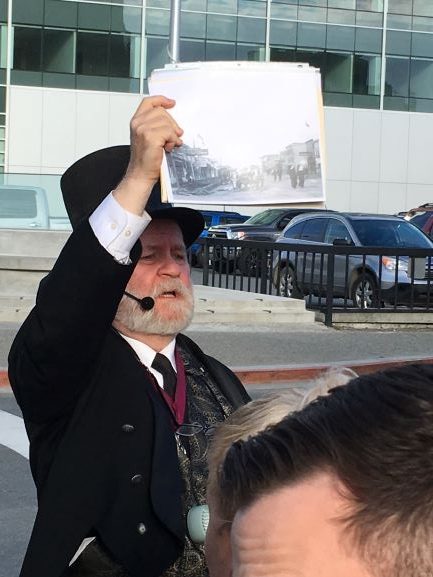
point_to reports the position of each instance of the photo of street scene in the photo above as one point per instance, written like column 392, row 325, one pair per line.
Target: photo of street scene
column 250, row 138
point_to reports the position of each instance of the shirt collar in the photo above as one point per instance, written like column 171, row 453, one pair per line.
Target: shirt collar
column 146, row 354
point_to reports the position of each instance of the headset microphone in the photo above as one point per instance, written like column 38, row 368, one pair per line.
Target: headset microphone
column 146, row 303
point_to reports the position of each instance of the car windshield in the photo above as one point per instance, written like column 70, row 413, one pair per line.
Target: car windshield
column 420, row 219
column 390, row 233
column 266, row 217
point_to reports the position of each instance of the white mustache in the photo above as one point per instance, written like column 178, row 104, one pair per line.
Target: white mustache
column 170, row 285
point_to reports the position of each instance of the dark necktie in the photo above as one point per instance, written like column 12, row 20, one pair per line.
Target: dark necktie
column 163, row 366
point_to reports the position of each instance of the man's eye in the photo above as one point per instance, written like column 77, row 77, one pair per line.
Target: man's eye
column 181, row 256
column 147, row 257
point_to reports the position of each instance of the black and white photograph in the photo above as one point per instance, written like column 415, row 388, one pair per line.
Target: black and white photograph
column 253, row 133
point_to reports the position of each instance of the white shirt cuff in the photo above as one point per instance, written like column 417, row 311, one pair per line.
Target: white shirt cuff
column 116, row 229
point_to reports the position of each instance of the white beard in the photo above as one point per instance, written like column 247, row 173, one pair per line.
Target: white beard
column 175, row 314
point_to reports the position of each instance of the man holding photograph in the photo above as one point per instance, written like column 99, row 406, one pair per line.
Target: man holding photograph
column 117, row 404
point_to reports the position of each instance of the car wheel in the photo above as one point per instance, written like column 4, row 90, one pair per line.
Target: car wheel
column 287, row 283
column 250, row 262
column 364, row 292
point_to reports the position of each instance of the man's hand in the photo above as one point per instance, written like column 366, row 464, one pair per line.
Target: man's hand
column 153, row 130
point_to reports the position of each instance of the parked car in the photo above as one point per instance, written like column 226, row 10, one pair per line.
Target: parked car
column 356, row 277
column 23, row 207
column 422, row 217
column 213, row 218
column 266, row 225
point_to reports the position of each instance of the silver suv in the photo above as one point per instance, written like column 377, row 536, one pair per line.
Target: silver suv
column 356, row 277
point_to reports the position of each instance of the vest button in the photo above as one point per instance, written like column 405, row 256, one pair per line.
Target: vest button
column 141, row 528
column 126, row 428
column 136, row 479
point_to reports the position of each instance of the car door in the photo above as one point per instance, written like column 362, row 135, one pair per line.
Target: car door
column 310, row 271
column 342, row 263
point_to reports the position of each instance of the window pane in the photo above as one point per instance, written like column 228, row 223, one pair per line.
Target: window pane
column 157, row 22
column 124, row 56
column 400, row 6
column 93, row 17
column 398, row 43
column 312, row 57
column 420, row 105
column 2, row 98
column 283, row 11
column 368, row 40
column 92, row 82
column 3, row 10
column 422, row 8
column 313, row 35
column 397, row 77
column 366, row 74
column 26, row 78
column 221, row 27
column 340, row 37
column 252, row 8
column 283, row 32
column 421, row 78
column 127, row 19
column 191, row 50
column 391, row 103
column 25, row 12
column 92, row 54
column 2, row 132
column 365, row 101
column 349, row 4
column 372, row 5
column 57, row 80
column 251, row 30
column 60, row 13
column 369, row 19
column 282, row 55
column 222, row 6
column 309, row 14
column 422, row 45
column 250, row 52
column 399, row 22
column 338, row 72
column 123, row 85
column 27, row 48
column 220, row 51
column 341, row 16
column 156, row 54
column 3, row 45
column 194, row 5
column 193, row 25
column 58, row 51
column 422, row 24
column 336, row 99
column 2, row 119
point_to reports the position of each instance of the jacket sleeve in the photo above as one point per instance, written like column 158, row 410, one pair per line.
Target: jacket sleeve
column 57, row 348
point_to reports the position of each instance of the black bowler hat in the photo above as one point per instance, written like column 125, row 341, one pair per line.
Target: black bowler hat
column 89, row 180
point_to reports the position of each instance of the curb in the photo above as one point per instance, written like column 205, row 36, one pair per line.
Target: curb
column 263, row 376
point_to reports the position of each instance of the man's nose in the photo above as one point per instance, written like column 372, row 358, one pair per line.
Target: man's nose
column 170, row 266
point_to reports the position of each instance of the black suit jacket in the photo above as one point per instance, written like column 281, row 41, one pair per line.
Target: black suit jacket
column 102, row 449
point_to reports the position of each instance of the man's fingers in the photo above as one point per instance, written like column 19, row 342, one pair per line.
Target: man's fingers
column 154, row 102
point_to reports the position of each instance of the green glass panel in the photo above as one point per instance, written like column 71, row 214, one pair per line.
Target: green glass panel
column 251, row 30
column 371, row 5
column 399, row 21
column 123, row 85
column 156, row 54
column 368, row 40
column 312, row 2
column 422, row 24
column 2, row 146
column 311, row 35
column 311, row 14
column 340, row 37
column 395, row 103
column 28, row 11
column 284, row 12
column 252, row 8
column 92, row 82
column 400, row 6
column 220, row 51
column 347, row 4
column 221, row 27
column 283, row 33
column 397, row 77
column 337, row 72
column 422, row 45
column 421, row 78
column 92, row 54
column 374, row 19
column 2, row 132
column 193, row 25
column 192, row 50
column 250, row 52
column 58, row 49
column 422, row 8
column 26, row 78
column 2, row 76
column 194, row 5
column 2, row 119
column 398, row 43
column 55, row 80
column 60, row 13
column 366, row 101
column 366, row 74
column 126, row 19
column 420, row 105
column 27, row 48
column 124, row 56
column 335, row 99
column 341, row 16
column 282, row 54
column 159, row 3
column 3, row 10
column 2, row 98
column 93, row 17
column 157, row 22
column 222, row 6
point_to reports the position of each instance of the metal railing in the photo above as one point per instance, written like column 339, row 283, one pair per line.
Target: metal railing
column 331, row 278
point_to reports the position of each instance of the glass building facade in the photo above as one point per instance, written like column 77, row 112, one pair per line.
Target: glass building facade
column 374, row 54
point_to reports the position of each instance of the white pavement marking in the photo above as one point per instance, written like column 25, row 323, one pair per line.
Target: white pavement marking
column 13, row 433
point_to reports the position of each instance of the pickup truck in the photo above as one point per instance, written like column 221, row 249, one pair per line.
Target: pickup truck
column 213, row 218
column 266, row 225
